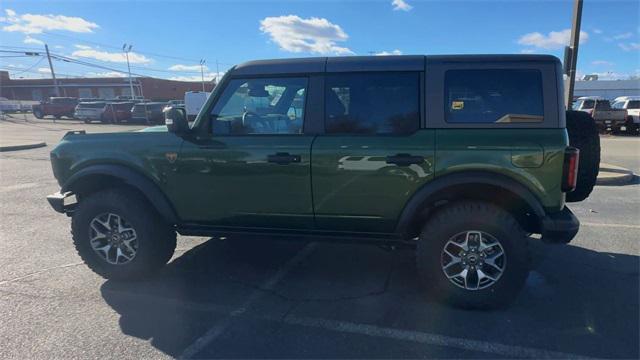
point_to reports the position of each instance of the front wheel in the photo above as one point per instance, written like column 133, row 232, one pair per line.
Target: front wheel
column 38, row 114
column 473, row 255
column 120, row 236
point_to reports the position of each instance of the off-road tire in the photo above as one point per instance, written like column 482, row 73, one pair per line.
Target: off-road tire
column 156, row 239
column 583, row 134
column 38, row 114
column 473, row 216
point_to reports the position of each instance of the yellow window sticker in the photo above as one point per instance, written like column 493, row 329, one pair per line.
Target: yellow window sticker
column 457, row 105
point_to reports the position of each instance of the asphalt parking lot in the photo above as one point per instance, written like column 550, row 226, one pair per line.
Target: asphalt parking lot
column 251, row 298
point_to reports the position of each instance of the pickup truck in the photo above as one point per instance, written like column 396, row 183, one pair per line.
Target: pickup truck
column 630, row 104
column 606, row 117
column 57, row 107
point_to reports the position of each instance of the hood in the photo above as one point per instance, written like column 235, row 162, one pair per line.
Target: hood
column 159, row 128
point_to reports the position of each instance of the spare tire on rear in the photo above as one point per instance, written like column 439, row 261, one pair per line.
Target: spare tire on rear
column 583, row 134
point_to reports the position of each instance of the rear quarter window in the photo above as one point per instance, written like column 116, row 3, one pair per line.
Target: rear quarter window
column 498, row 96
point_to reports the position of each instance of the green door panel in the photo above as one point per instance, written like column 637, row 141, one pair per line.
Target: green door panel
column 355, row 189
column 227, row 181
column 532, row 157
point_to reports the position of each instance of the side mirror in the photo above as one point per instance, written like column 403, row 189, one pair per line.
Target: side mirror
column 176, row 120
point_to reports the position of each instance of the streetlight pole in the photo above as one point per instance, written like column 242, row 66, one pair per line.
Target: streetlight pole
column 126, row 50
column 571, row 61
column 53, row 74
column 202, row 61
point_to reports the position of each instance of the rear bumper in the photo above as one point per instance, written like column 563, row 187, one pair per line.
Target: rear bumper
column 560, row 227
column 57, row 202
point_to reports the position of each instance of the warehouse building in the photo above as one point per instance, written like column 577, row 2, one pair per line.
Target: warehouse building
column 607, row 89
column 104, row 88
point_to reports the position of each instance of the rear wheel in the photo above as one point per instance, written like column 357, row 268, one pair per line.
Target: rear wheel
column 120, row 236
column 473, row 255
column 583, row 134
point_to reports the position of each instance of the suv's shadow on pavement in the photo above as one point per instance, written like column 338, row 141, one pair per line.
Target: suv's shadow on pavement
column 576, row 301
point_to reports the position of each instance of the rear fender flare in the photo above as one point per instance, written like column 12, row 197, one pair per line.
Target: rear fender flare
column 437, row 190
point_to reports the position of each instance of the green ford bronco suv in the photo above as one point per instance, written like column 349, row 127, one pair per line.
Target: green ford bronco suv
column 460, row 157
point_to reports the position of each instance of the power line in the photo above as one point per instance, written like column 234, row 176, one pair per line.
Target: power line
column 118, row 47
column 30, row 67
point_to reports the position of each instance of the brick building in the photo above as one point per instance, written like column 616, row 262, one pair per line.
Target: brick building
column 104, row 88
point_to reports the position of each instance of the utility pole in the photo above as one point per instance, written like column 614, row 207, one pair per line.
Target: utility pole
column 571, row 53
column 53, row 74
column 217, row 72
column 126, row 50
column 202, row 61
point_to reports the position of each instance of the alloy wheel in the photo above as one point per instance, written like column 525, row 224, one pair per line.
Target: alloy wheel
column 473, row 260
column 113, row 238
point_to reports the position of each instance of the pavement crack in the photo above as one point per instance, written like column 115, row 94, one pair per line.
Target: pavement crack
column 2, row 282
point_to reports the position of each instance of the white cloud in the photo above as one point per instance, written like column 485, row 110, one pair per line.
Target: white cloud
column 622, row 36
column 117, row 57
column 314, row 35
column 527, row 51
column 180, row 67
column 601, row 62
column 597, row 31
column 630, row 46
column 109, row 74
column 401, row 5
column 58, row 47
column 554, row 40
column 32, row 40
column 44, row 70
column 611, row 75
column 36, row 24
column 386, row 53
column 207, row 77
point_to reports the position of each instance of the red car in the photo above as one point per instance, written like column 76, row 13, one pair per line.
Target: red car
column 56, row 106
column 116, row 112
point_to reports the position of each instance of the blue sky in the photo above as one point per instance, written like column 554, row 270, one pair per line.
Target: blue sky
column 170, row 37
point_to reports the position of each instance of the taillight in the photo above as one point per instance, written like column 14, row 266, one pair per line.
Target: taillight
column 570, row 169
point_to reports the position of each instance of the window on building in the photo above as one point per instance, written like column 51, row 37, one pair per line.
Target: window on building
column 106, row 93
column 85, row 93
column 260, row 106
column 372, row 103
column 493, row 96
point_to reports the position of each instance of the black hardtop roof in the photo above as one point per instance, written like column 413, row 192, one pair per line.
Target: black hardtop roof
column 372, row 63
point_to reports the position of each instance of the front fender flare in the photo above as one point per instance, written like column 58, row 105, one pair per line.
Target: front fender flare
column 132, row 178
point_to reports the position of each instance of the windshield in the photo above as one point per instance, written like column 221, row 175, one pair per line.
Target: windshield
column 92, row 105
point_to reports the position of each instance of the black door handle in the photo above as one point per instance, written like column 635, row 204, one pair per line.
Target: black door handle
column 283, row 158
column 404, row 159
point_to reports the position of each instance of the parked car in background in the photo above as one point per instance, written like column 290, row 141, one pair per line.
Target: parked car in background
column 631, row 104
column 90, row 111
column 193, row 102
column 56, row 106
column 118, row 111
column 8, row 106
column 148, row 112
column 607, row 118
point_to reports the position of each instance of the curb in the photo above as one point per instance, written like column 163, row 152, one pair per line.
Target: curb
column 614, row 175
column 22, row 146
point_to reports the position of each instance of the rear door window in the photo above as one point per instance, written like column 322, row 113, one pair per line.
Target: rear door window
column 493, row 96
column 372, row 103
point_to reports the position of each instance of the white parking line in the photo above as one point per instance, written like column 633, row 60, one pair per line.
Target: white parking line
column 269, row 284
column 509, row 351
column 610, row 225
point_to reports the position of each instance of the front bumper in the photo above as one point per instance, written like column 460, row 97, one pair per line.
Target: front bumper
column 58, row 203
column 560, row 227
